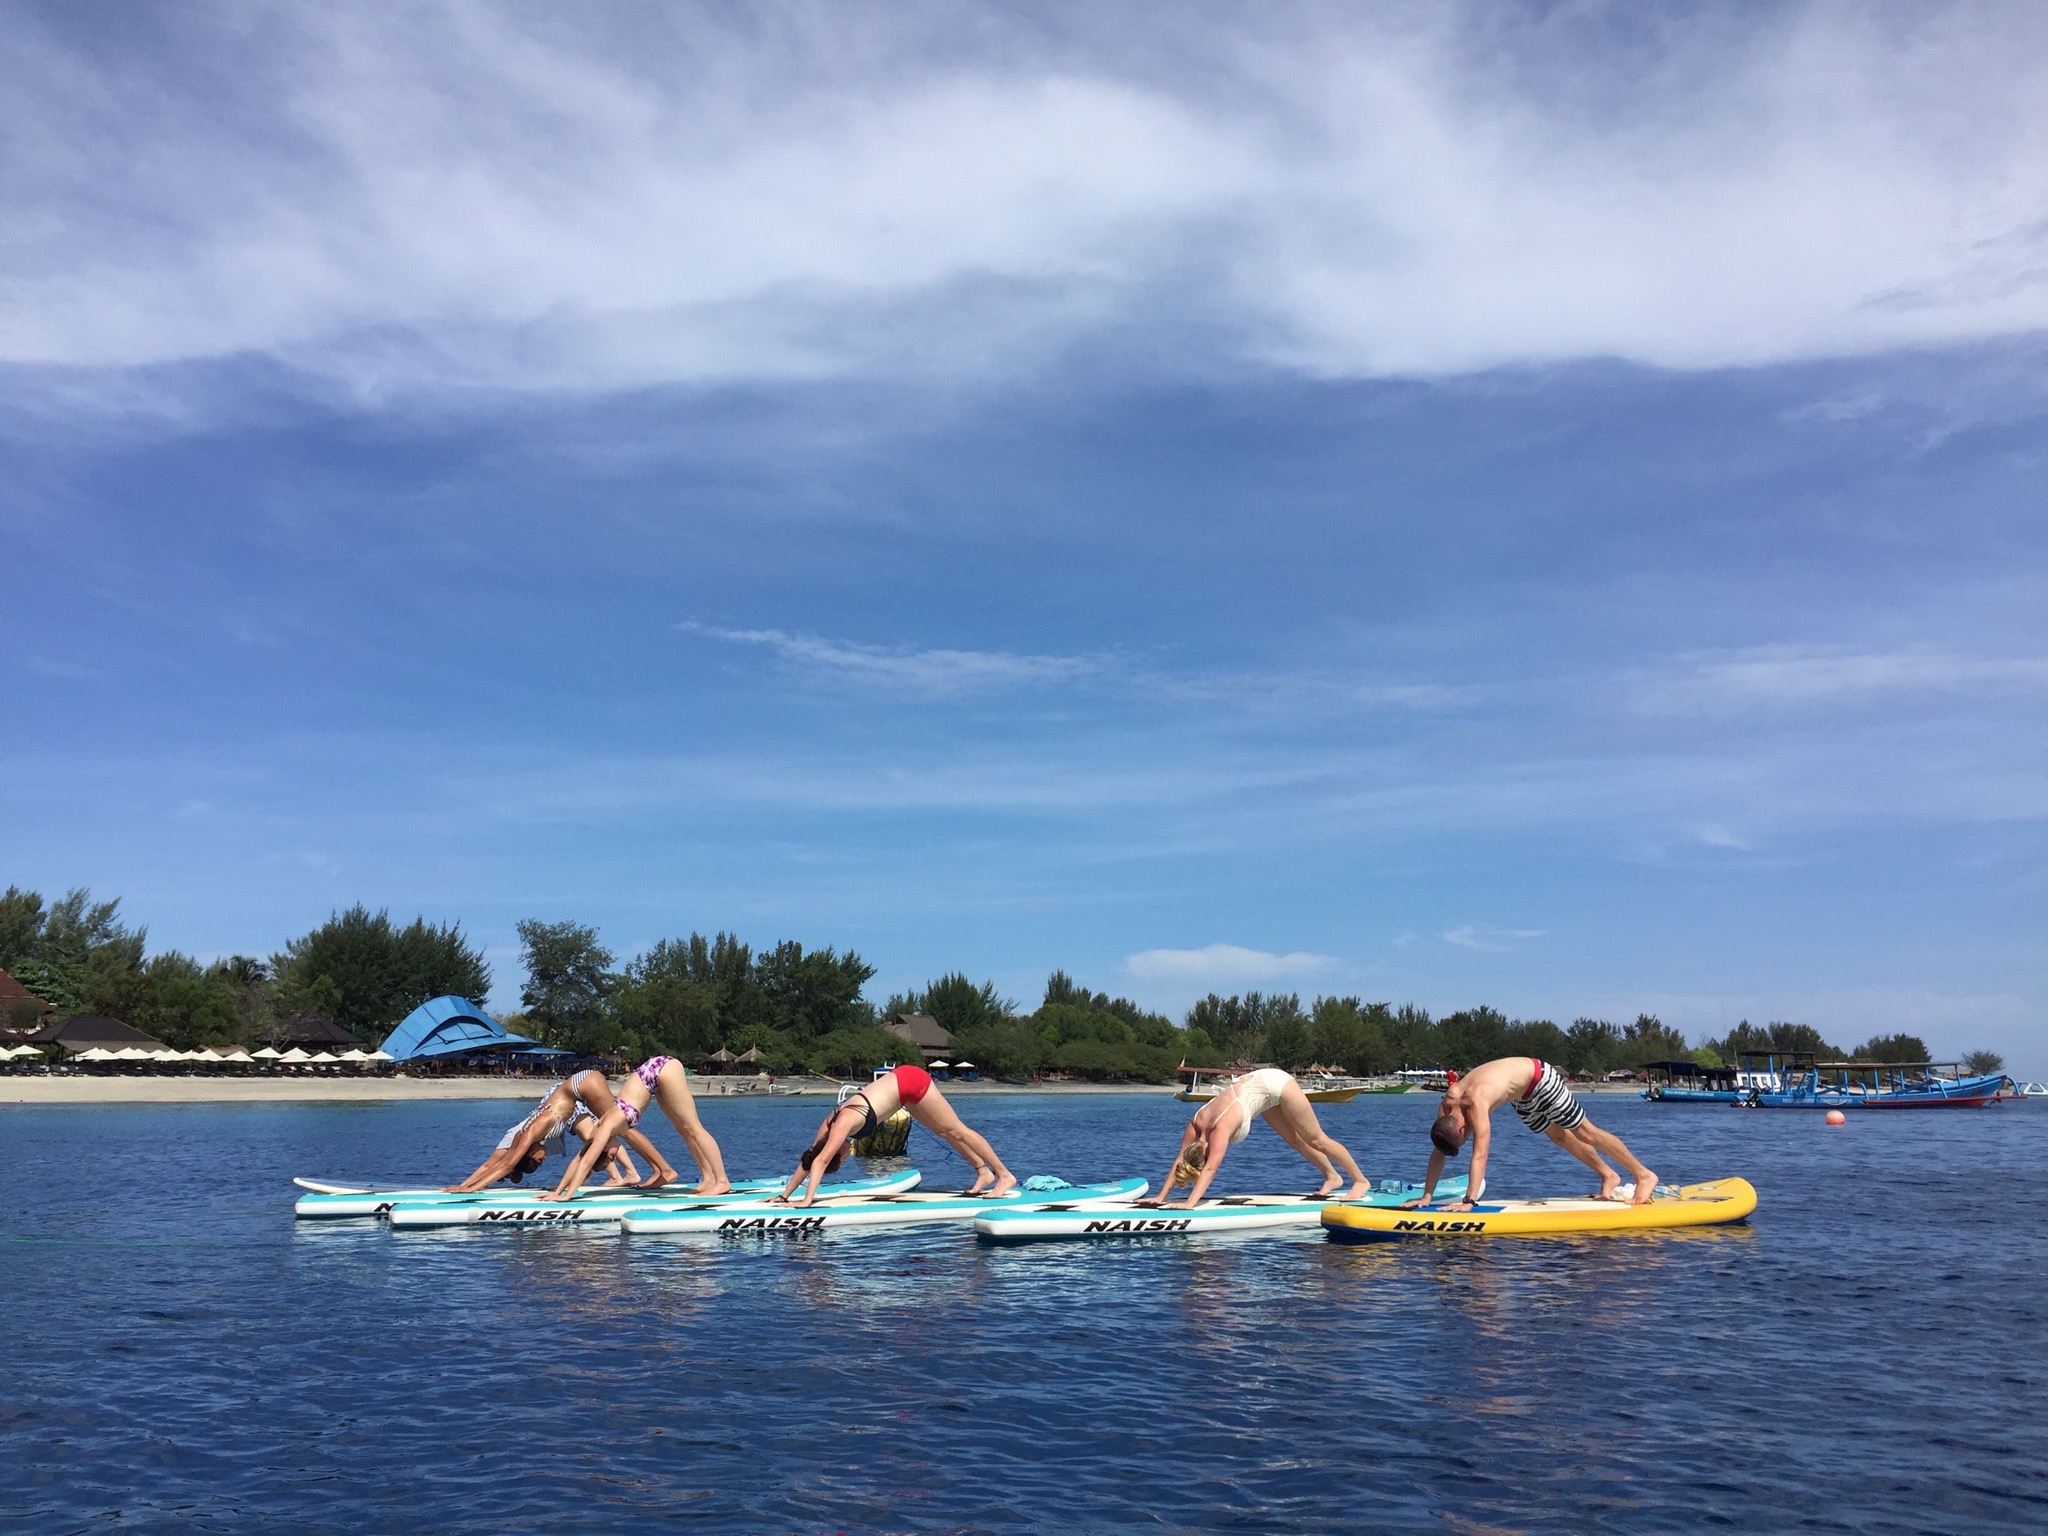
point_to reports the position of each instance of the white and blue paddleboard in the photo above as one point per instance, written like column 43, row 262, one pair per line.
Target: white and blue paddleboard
column 598, row 1207
column 325, row 1200
column 763, row 1219
column 1226, row 1213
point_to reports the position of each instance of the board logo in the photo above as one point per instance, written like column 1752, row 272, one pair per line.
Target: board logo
column 1439, row 1226
column 529, row 1215
column 1140, row 1224
column 769, row 1226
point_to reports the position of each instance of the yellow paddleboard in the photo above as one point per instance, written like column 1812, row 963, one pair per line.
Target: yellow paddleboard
column 1696, row 1205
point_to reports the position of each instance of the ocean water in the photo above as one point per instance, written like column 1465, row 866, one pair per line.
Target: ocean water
column 177, row 1353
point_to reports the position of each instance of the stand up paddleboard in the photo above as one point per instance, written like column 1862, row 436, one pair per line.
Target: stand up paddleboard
column 324, row 1200
column 600, row 1208
column 1226, row 1213
column 1696, row 1205
column 764, row 1220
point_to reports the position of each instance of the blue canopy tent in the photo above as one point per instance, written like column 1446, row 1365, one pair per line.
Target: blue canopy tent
column 454, row 1026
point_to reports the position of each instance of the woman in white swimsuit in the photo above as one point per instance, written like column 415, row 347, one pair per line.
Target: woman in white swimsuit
column 1227, row 1119
column 657, row 1078
column 573, row 1107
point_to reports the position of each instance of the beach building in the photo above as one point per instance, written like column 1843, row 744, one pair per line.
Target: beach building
column 311, row 1031
column 922, row 1031
column 20, row 1009
column 80, row 1034
column 453, row 1031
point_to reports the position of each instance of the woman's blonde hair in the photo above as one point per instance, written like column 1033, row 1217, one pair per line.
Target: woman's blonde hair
column 1191, row 1163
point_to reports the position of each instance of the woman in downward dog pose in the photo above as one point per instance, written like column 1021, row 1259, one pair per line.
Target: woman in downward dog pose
column 1227, row 1119
column 572, row 1107
column 907, row 1088
column 663, row 1078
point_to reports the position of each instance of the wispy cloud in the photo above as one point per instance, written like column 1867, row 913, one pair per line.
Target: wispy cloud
column 1780, row 677
column 913, row 670
column 1492, row 940
column 398, row 198
column 1217, row 966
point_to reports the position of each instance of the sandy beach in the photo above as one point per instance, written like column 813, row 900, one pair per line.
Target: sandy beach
column 285, row 1090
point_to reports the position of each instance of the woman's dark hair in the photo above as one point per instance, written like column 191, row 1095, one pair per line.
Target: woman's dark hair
column 811, row 1156
column 1448, row 1135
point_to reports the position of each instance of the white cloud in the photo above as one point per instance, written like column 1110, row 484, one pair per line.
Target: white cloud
column 398, row 198
column 1217, row 967
column 1782, row 677
column 907, row 669
column 1491, row 940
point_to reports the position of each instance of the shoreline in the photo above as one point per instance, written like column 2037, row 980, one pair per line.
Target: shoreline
column 375, row 1090
column 372, row 1090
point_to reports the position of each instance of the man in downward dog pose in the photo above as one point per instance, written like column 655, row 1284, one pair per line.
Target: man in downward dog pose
column 1538, row 1094
column 572, row 1107
column 663, row 1078
column 1227, row 1119
column 907, row 1088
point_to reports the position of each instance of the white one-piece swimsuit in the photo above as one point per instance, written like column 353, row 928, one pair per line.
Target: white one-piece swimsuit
column 1255, row 1093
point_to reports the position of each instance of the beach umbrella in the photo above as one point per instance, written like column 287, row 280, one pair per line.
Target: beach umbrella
column 239, row 1056
column 326, row 1056
column 938, row 1064
column 295, row 1055
column 962, row 1066
column 133, row 1053
column 354, row 1053
column 96, row 1054
column 379, row 1056
column 268, row 1053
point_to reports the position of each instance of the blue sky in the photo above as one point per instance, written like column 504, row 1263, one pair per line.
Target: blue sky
column 1540, row 507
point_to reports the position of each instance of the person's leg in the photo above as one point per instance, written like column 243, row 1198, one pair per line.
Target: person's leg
column 1584, row 1152
column 1295, row 1119
column 672, row 1087
column 1611, row 1144
column 937, row 1116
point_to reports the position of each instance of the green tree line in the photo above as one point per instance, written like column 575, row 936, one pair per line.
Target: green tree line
column 797, row 1007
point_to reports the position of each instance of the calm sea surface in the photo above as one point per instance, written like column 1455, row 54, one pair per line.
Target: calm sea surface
column 177, row 1353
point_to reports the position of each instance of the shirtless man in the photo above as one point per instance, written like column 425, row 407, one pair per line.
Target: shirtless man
column 1538, row 1094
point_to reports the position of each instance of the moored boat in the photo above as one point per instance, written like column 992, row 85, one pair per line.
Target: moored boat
column 1687, row 1082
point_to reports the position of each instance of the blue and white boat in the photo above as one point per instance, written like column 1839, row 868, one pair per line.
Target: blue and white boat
column 1687, row 1082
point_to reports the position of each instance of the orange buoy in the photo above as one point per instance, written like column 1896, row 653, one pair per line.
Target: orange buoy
column 1836, row 1117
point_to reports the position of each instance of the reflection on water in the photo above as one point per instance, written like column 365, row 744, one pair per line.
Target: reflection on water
column 198, row 1358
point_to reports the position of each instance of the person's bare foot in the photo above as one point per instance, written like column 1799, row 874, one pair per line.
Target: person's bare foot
column 1646, row 1188
column 658, row 1178
column 1357, row 1191
column 1610, row 1184
column 1005, row 1184
column 982, row 1180
column 1331, row 1183
column 713, row 1187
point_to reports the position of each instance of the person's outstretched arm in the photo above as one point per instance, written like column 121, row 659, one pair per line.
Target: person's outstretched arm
column 495, row 1167
column 1166, row 1185
column 1218, row 1145
column 580, row 1165
column 1436, row 1171
column 1475, row 1183
column 833, row 1142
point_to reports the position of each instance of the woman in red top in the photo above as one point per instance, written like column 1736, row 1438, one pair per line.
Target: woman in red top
column 908, row 1088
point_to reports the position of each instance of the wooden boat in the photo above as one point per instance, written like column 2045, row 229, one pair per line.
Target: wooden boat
column 1687, row 1082
column 1794, row 1080
column 1320, row 1088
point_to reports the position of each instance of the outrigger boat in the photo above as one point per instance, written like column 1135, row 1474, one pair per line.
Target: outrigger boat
column 1226, row 1213
column 1687, row 1082
column 599, row 1206
column 1319, row 1088
column 1794, row 1080
column 762, row 1219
